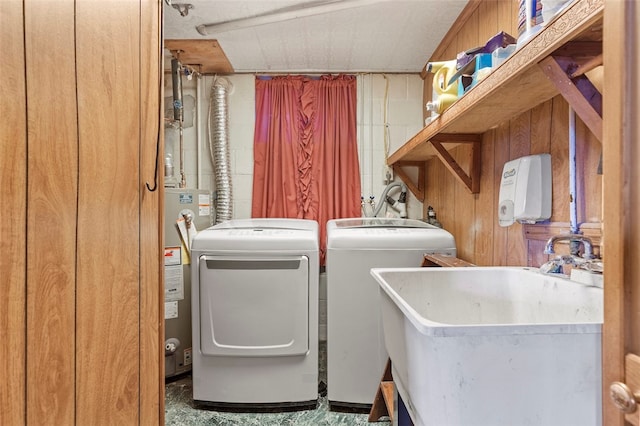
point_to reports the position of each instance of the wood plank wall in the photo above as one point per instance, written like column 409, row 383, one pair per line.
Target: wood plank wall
column 52, row 209
column 621, row 328
column 472, row 219
column 108, row 327
column 152, row 216
column 81, row 266
column 13, row 184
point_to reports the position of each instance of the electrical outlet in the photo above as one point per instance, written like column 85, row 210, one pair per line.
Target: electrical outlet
column 388, row 175
column 187, row 356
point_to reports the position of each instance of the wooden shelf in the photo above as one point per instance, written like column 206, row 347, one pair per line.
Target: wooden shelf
column 206, row 56
column 517, row 85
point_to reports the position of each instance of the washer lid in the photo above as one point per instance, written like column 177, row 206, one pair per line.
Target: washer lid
column 377, row 222
column 383, row 233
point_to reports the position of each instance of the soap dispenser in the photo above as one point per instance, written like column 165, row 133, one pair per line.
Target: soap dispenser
column 525, row 190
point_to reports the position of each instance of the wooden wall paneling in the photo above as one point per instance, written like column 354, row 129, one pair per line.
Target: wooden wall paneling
column 589, row 182
column 436, row 191
column 560, row 160
column 535, row 253
column 508, row 17
column 488, row 20
column 486, row 204
column 447, row 209
column 431, row 184
column 465, row 213
column 151, row 218
column 500, row 156
column 520, row 136
column 439, row 181
column 633, row 196
column 541, row 128
column 13, row 210
column 540, row 143
column 108, row 305
column 469, row 35
column 449, row 50
column 620, row 245
column 519, row 146
column 589, row 151
column 52, row 207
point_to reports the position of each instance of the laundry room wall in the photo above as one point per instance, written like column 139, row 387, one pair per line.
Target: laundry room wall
column 398, row 97
column 394, row 99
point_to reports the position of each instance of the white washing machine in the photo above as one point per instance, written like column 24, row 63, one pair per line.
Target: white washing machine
column 356, row 355
column 255, row 314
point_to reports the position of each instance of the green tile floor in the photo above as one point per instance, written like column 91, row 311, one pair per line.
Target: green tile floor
column 179, row 410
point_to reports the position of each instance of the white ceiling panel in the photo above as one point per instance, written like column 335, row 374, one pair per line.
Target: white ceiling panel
column 365, row 36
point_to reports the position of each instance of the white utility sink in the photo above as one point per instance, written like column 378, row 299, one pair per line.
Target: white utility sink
column 493, row 345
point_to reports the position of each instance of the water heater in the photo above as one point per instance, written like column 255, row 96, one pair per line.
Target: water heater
column 196, row 204
column 525, row 190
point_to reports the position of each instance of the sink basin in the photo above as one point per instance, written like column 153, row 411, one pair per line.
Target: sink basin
column 493, row 345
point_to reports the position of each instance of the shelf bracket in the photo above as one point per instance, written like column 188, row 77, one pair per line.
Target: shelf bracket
column 576, row 89
column 472, row 179
column 383, row 402
column 417, row 189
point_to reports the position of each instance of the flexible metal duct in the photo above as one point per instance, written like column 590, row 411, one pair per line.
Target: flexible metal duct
column 219, row 148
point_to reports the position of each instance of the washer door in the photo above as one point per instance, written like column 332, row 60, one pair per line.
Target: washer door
column 254, row 306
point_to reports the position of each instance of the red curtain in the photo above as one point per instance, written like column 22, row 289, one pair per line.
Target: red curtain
column 305, row 150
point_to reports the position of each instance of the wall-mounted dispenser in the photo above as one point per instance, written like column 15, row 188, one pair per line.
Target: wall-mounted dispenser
column 525, row 190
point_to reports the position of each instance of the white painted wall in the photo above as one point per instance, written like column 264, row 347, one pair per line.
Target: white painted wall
column 404, row 118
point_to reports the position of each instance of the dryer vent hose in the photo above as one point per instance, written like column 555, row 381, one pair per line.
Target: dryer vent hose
column 218, row 124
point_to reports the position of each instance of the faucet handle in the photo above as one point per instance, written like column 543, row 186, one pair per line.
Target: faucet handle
column 553, row 266
column 569, row 259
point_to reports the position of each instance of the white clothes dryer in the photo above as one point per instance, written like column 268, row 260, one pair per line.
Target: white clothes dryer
column 356, row 354
column 255, row 314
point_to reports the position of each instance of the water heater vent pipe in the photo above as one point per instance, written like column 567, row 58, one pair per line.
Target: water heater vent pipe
column 178, row 111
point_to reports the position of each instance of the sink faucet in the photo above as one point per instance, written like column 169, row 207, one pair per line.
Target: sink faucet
column 572, row 238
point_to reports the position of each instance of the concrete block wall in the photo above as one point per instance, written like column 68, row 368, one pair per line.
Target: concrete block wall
column 398, row 97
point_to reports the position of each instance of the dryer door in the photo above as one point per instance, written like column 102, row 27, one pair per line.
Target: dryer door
column 254, row 306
